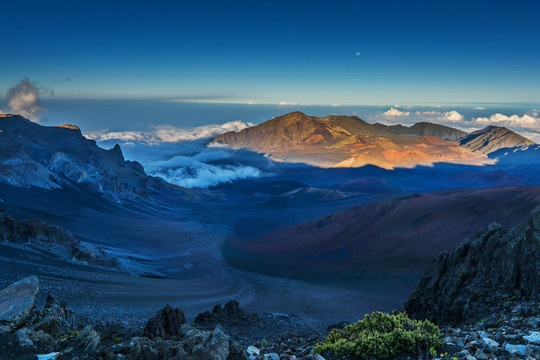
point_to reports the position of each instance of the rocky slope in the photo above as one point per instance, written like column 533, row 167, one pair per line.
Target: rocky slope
column 57, row 333
column 481, row 274
column 493, row 138
column 348, row 141
column 32, row 155
column 487, row 288
column 38, row 237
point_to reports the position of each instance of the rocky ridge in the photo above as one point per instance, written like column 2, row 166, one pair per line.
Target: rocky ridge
column 481, row 274
column 494, row 138
column 39, row 236
column 55, row 157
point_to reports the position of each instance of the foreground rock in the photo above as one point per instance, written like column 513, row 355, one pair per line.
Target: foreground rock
column 508, row 333
column 481, row 275
column 165, row 324
column 488, row 291
column 16, row 303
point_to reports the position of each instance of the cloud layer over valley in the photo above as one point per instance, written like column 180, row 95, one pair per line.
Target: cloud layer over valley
column 184, row 156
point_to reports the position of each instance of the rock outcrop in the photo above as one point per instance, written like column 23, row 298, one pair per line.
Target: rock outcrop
column 165, row 324
column 16, row 303
column 480, row 275
column 38, row 235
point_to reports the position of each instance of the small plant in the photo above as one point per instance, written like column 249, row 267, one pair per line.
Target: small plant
column 482, row 321
column 71, row 334
column 433, row 353
column 40, row 316
column 382, row 336
column 264, row 342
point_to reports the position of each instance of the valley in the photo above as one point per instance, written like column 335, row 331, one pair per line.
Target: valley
column 293, row 241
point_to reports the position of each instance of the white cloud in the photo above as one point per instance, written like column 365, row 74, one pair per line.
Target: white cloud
column 452, row 116
column 169, row 134
column 23, row 99
column 284, row 103
column 394, row 113
column 449, row 116
column 479, row 108
column 534, row 136
column 527, row 121
column 195, row 174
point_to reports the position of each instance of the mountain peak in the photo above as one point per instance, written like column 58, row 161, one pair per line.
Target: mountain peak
column 70, row 126
column 493, row 138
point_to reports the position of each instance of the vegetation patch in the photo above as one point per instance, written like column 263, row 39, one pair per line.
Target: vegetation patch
column 382, row 336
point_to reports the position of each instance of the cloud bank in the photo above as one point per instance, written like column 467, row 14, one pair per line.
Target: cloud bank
column 527, row 121
column 207, row 166
column 449, row 116
column 185, row 158
column 24, row 99
column 168, row 134
column 189, row 172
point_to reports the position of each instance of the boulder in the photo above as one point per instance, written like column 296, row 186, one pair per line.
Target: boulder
column 16, row 303
column 30, row 337
column 88, row 340
column 53, row 316
column 230, row 311
column 165, row 324
column 216, row 347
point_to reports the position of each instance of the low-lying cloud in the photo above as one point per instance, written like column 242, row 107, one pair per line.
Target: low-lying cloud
column 24, row 99
column 208, row 166
column 448, row 116
column 168, row 134
column 528, row 121
column 185, row 157
column 394, row 113
column 191, row 173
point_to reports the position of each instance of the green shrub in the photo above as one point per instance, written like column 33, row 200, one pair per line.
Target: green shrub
column 382, row 336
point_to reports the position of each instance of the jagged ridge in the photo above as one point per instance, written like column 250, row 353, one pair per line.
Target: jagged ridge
column 54, row 157
column 481, row 274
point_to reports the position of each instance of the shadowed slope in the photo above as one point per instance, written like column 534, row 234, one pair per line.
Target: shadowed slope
column 403, row 234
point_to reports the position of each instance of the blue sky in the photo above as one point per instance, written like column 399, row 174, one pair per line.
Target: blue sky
column 304, row 52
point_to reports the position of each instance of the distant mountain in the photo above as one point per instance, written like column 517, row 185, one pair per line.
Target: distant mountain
column 32, row 155
column 296, row 128
column 348, row 141
column 493, row 138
